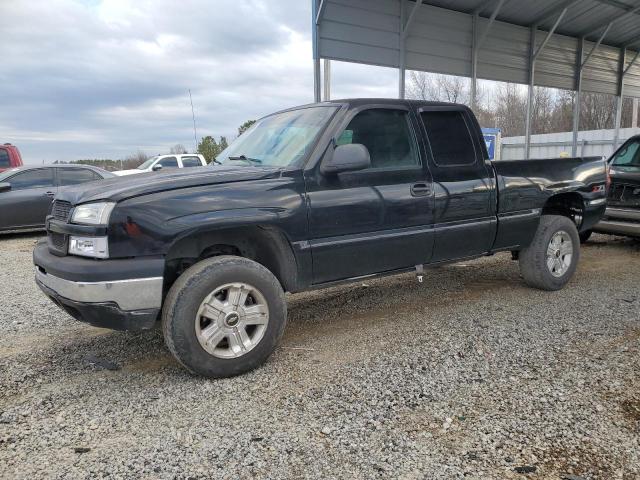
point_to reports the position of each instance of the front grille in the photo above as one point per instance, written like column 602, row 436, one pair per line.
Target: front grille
column 61, row 210
column 622, row 193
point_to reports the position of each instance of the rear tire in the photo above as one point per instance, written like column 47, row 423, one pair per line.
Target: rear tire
column 551, row 259
column 224, row 316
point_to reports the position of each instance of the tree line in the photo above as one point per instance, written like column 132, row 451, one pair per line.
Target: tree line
column 208, row 146
column 505, row 106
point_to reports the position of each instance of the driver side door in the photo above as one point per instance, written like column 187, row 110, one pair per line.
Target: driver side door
column 379, row 219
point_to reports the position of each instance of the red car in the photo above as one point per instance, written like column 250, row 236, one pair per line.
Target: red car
column 9, row 157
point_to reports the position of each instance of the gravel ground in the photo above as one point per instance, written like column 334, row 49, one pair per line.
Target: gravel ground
column 469, row 375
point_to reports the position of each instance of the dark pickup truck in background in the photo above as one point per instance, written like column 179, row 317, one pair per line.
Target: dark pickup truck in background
column 622, row 216
column 306, row 198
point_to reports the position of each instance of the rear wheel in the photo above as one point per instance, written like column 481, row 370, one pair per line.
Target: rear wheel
column 224, row 316
column 551, row 259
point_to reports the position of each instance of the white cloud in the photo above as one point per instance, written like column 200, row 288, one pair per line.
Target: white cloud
column 97, row 79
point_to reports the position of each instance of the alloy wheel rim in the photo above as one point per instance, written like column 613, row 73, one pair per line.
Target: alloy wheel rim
column 559, row 253
column 232, row 320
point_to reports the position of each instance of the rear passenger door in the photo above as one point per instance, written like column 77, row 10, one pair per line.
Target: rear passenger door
column 378, row 219
column 465, row 223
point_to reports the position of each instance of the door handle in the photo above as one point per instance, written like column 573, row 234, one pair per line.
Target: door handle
column 49, row 194
column 420, row 190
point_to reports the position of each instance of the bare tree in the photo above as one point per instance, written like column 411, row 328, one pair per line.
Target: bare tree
column 178, row 149
column 438, row 88
column 134, row 160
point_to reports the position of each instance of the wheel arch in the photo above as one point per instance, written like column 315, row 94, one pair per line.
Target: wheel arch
column 567, row 204
column 264, row 244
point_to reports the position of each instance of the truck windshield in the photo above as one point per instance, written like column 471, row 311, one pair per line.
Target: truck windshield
column 628, row 156
column 280, row 140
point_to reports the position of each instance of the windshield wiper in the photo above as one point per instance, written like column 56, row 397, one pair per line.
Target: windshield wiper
column 246, row 159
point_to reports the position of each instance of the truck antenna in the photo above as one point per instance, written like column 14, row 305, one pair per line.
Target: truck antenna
column 193, row 115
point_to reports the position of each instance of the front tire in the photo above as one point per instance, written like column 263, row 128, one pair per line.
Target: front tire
column 551, row 259
column 224, row 316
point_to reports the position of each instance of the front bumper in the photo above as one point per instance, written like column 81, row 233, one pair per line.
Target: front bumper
column 110, row 293
column 620, row 221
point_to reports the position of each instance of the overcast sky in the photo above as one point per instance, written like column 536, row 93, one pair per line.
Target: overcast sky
column 102, row 79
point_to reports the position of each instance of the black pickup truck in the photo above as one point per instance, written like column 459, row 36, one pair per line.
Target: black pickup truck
column 306, row 198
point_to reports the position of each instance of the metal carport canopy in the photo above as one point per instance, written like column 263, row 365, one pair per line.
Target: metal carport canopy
column 581, row 45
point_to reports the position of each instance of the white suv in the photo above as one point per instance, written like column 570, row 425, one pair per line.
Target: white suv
column 161, row 162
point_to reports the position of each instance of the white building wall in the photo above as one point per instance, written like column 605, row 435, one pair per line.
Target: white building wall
column 551, row 145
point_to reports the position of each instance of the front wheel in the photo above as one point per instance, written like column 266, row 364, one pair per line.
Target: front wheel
column 551, row 259
column 224, row 316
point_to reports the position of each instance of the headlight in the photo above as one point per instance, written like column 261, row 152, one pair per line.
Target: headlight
column 93, row 213
column 97, row 247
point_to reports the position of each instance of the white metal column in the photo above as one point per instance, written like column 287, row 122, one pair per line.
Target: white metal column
column 576, row 100
column 532, row 65
column 327, row 80
column 404, row 31
column 474, row 60
column 401, row 57
column 316, row 11
column 619, row 98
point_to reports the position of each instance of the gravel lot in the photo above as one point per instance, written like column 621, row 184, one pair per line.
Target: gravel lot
column 469, row 375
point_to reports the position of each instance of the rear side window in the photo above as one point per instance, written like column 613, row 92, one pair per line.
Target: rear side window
column 449, row 137
column 4, row 158
column 191, row 162
column 32, row 179
column 74, row 176
column 169, row 162
column 387, row 135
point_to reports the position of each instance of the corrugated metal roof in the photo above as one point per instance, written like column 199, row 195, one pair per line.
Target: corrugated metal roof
column 583, row 17
column 440, row 37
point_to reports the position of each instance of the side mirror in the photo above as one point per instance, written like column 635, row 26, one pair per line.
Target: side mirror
column 5, row 187
column 156, row 167
column 347, row 158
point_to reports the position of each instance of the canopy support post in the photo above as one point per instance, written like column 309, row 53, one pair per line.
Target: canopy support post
column 620, row 97
column 532, row 64
column 315, row 13
column 576, row 102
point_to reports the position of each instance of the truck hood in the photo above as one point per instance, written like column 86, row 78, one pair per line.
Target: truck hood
column 121, row 188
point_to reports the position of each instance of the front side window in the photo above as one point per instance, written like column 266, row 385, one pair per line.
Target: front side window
column 75, row 176
column 387, row 135
column 147, row 163
column 168, row 162
column 279, row 140
column 449, row 138
column 32, row 179
column 191, row 162
column 628, row 156
column 4, row 158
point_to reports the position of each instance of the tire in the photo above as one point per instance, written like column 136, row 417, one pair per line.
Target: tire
column 584, row 236
column 534, row 260
column 188, row 321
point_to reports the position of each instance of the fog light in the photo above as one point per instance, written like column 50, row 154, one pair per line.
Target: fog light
column 97, row 247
